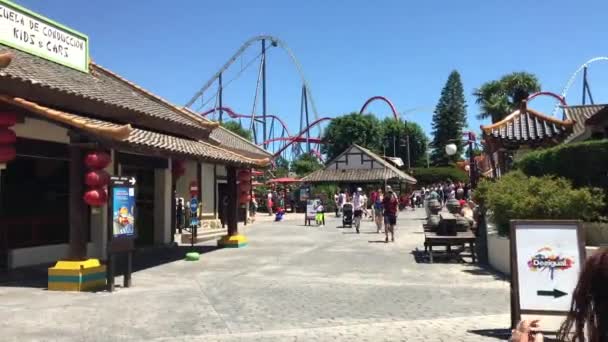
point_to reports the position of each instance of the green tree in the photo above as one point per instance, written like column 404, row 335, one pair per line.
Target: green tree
column 353, row 128
column 398, row 132
column 305, row 164
column 281, row 167
column 448, row 121
column 498, row 98
column 236, row 127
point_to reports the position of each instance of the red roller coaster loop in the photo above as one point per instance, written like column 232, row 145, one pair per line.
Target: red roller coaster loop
column 559, row 98
column 231, row 113
column 387, row 101
column 299, row 135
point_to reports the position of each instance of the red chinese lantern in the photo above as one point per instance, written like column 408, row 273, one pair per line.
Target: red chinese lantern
column 7, row 136
column 7, row 119
column 96, row 197
column 244, row 177
column 178, row 168
column 97, row 178
column 97, row 160
column 245, row 187
column 7, row 153
column 244, row 198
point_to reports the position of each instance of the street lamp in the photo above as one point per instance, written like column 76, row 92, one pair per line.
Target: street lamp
column 451, row 149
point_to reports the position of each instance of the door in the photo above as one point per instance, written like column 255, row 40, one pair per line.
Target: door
column 222, row 207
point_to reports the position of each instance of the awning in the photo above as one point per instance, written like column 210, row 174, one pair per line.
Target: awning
column 126, row 135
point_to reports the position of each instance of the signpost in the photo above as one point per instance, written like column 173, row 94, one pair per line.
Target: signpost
column 311, row 210
column 121, row 225
column 30, row 32
column 546, row 259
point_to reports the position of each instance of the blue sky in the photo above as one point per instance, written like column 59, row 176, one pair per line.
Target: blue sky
column 349, row 50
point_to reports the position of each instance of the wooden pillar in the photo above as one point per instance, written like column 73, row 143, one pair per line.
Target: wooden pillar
column 77, row 210
column 232, row 217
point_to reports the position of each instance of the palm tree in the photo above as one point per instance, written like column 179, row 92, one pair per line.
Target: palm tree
column 499, row 98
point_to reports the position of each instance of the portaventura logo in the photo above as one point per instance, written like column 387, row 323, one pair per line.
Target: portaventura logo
column 545, row 259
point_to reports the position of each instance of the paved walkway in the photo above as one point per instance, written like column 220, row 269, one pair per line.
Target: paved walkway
column 291, row 283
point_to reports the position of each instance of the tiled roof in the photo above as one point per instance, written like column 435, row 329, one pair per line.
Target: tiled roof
column 525, row 126
column 125, row 134
column 353, row 175
column 580, row 114
column 388, row 172
column 100, row 86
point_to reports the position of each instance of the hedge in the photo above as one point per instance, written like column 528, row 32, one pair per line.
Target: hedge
column 584, row 163
column 517, row 196
column 431, row 175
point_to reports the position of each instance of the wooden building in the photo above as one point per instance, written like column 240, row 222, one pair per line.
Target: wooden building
column 358, row 166
column 61, row 114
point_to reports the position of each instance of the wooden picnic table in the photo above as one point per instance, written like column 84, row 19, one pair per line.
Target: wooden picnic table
column 460, row 239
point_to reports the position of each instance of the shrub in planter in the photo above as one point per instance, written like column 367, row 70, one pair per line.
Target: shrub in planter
column 517, row 196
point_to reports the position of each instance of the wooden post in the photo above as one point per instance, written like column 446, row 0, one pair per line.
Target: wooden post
column 233, row 198
column 78, row 222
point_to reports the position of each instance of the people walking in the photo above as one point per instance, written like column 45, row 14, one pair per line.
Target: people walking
column 378, row 211
column 390, row 204
column 358, row 208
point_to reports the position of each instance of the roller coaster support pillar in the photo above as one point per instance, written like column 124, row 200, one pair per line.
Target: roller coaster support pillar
column 264, row 92
column 220, row 96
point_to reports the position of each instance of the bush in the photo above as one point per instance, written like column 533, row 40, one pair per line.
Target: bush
column 517, row 196
column 433, row 175
column 585, row 163
column 326, row 193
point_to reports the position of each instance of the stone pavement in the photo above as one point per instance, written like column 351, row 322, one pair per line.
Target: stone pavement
column 291, row 283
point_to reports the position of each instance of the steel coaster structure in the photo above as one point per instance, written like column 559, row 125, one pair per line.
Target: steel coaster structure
column 268, row 130
column 586, row 88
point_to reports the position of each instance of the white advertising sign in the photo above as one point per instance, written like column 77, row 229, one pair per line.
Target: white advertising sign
column 40, row 36
column 548, row 260
column 311, row 208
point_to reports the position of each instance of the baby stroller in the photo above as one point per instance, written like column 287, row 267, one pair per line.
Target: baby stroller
column 347, row 215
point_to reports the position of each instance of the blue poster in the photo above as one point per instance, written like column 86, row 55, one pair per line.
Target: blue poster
column 123, row 205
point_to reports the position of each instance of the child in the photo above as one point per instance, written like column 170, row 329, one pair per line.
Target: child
column 320, row 217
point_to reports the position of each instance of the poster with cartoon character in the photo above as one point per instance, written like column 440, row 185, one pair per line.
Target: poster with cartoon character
column 123, row 206
column 548, row 264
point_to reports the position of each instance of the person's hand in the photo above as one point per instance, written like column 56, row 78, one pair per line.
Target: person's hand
column 526, row 332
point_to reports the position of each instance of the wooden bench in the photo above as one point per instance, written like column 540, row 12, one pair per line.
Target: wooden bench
column 460, row 239
column 204, row 234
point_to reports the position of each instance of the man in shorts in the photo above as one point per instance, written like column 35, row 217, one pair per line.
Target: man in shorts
column 390, row 203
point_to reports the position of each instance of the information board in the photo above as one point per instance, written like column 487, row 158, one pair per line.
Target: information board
column 546, row 259
column 311, row 208
column 27, row 31
column 122, row 200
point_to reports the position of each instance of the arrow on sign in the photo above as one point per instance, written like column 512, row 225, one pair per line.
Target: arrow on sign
column 132, row 180
column 555, row 293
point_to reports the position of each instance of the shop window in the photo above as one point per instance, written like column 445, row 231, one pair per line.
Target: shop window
column 34, row 203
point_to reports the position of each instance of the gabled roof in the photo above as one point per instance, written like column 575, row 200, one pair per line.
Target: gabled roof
column 525, row 126
column 580, row 114
column 387, row 172
column 99, row 93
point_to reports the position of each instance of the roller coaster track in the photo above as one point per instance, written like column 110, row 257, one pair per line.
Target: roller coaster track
column 295, row 138
column 274, row 42
column 559, row 98
column 574, row 75
column 231, row 113
column 385, row 100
